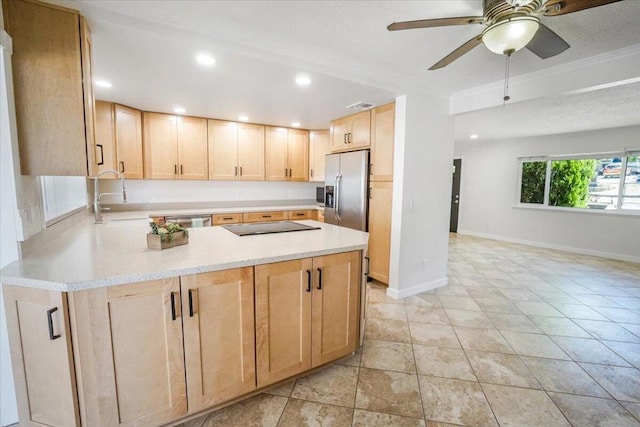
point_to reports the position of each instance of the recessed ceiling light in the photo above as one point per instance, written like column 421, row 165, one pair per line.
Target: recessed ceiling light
column 474, row 136
column 295, row 124
column 205, row 59
column 243, row 118
column 179, row 110
column 303, row 80
column 103, row 83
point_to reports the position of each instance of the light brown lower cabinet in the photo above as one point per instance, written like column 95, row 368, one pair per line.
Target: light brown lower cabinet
column 381, row 195
column 306, row 314
column 151, row 353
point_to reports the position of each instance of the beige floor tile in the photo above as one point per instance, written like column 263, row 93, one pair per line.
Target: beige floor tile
column 622, row 383
column 283, row 389
column 334, row 385
column 458, row 302
column 534, row 345
column 556, row 297
column 434, row 335
column 498, row 304
column 390, row 356
column 633, row 408
column 482, row 292
column 591, row 411
column 387, row 330
column 609, row 331
column 443, row 362
column 513, row 322
column 523, row 407
column 534, row 308
column 262, row 410
column 453, row 290
column 559, row 326
column 579, row 311
column 629, row 351
column 505, row 369
column 634, row 329
column 467, row 318
column 589, row 350
column 433, row 315
column 483, row 340
column 389, row 392
column 382, row 310
column 632, row 303
column 196, row 422
column 520, row 294
column 426, row 300
column 353, row 359
column 302, row 413
column 564, row 376
column 595, row 300
column 363, row 418
column 379, row 294
column 455, row 402
column 621, row 315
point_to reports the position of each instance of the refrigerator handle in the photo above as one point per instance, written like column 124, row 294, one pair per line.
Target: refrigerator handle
column 336, row 197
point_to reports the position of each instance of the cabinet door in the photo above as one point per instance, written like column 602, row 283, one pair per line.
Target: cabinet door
column 380, row 230
column 160, row 146
column 264, row 216
column 131, row 353
column 233, row 218
column 223, row 149
column 298, row 155
column 283, row 320
column 105, row 138
column 251, row 152
column 336, row 290
column 277, row 168
column 128, row 132
column 219, row 336
column 382, row 132
column 318, row 149
column 338, row 134
column 192, row 148
column 41, row 356
column 360, row 135
column 86, row 51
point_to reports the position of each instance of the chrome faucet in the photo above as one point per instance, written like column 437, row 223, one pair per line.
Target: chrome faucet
column 97, row 195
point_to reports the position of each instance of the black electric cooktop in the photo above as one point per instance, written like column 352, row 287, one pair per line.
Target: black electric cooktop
column 267, row 228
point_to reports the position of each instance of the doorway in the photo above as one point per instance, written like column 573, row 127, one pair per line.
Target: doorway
column 455, row 195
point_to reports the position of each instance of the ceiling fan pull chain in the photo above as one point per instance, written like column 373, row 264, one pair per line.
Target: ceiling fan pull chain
column 506, row 77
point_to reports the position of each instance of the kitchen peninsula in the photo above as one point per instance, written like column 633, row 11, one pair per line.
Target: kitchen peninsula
column 118, row 334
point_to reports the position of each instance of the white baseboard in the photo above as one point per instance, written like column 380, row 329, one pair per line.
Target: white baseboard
column 418, row 289
column 609, row 255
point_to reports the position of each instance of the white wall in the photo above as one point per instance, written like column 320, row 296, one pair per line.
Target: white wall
column 159, row 191
column 421, row 195
column 489, row 187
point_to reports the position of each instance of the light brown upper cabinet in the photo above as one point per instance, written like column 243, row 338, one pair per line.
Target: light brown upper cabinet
column 236, row 151
column 318, row 149
column 351, row 132
column 175, row 147
column 53, row 97
column 382, row 134
column 287, row 154
column 118, row 140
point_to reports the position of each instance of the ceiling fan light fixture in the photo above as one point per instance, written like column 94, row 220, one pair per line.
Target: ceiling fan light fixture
column 510, row 35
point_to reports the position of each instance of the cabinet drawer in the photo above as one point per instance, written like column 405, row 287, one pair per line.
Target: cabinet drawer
column 306, row 214
column 320, row 216
column 264, row 216
column 234, row 218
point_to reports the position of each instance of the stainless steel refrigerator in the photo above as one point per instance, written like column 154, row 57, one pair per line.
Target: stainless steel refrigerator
column 346, row 188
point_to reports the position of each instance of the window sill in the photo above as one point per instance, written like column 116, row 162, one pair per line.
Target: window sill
column 607, row 212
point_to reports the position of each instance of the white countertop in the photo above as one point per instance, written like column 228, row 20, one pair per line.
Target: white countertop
column 115, row 252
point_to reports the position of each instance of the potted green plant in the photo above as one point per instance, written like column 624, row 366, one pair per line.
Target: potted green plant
column 163, row 236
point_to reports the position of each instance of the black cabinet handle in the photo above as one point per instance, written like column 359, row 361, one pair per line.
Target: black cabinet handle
column 240, row 170
column 319, row 279
column 173, row 306
column 181, row 173
column 286, row 172
column 311, row 173
column 190, row 302
column 300, row 214
column 227, row 218
column 101, row 162
column 236, row 172
column 50, row 321
column 121, row 166
column 308, row 280
column 345, row 138
column 266, row 216
column 175, row 169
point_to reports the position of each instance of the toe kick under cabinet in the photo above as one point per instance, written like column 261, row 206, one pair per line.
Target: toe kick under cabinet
column 152, row 353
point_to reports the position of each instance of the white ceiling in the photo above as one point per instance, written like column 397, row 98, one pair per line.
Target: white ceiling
column 146, row 49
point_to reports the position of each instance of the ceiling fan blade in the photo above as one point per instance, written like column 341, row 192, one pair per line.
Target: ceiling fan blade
column 562, row 7
column 546, row 43
column 457, row 53
column 440, row 22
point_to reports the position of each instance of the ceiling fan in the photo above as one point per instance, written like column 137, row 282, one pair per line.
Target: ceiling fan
column 511, row 25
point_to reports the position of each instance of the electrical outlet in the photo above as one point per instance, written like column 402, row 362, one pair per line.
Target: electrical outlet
column 412, row 205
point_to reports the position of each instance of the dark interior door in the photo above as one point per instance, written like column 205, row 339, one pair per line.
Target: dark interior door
column 455, row 195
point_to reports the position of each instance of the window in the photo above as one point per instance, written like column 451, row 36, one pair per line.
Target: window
column 605, row 182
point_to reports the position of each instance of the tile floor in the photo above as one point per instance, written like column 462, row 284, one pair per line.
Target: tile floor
column 521, row 336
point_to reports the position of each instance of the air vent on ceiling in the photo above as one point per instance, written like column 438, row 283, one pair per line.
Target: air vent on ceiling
column 360, row 106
